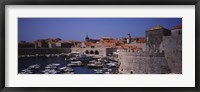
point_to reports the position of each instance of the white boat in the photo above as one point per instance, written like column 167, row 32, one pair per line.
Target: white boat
column 62, row 68
column 52, row 66
column 68, row 69
column 112, row 64
column 75, row 63
column 26, row 71
column 98, row 71
column 109, row 70
column 95, row 65
column 30, row 70
column 48, row 55
column 46, row 71
column 36, row 66
column 50, row 71
column 73, row 59
column 106, row 61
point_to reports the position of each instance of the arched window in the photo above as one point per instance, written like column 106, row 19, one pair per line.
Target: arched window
column 96, row 52
column 91, row 52
column 87, row 52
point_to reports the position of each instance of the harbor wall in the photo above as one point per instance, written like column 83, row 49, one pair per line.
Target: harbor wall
column 143, row 63
column 34, row 51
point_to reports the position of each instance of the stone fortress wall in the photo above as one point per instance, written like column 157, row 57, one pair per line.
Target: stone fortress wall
column 142, row 63
column 165, row 58
column 172, row 46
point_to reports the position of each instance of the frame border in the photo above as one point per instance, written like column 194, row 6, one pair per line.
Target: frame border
column 3, row 3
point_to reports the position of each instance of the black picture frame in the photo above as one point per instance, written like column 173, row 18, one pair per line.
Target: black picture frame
column 98, row 2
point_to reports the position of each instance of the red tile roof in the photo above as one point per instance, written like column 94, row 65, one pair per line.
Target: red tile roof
column 140, row 39
column 89, row 43
column 108, row 43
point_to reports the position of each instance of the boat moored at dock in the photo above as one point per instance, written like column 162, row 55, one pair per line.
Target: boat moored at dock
column 75, row 63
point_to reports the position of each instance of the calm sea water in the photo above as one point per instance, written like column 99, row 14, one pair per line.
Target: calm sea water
column 25, row 62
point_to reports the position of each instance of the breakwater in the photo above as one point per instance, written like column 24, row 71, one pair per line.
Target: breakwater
column 33, row 51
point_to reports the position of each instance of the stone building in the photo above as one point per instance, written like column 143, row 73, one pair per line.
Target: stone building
column 132, row 44
column 53, row 43
column 103, row 47
column 42, row 43
column 163, row 53
column 172, row 47
column 154, row 37
column 64, row 44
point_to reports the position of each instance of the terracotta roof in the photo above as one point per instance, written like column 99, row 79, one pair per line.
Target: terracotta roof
column 126, row 46
column 157, row 27
column 109, row 43
column 140, row 39
column 89, row 43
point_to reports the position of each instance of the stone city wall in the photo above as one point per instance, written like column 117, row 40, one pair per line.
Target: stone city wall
column 172, row 47
column 130, row 53
column 142, row 64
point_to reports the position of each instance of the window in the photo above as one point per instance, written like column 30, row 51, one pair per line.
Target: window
column 96, row 52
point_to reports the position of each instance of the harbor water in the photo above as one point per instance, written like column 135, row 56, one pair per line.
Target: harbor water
column 43, row 62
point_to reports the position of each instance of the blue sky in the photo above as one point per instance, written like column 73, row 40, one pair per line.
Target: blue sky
column 30, row 29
